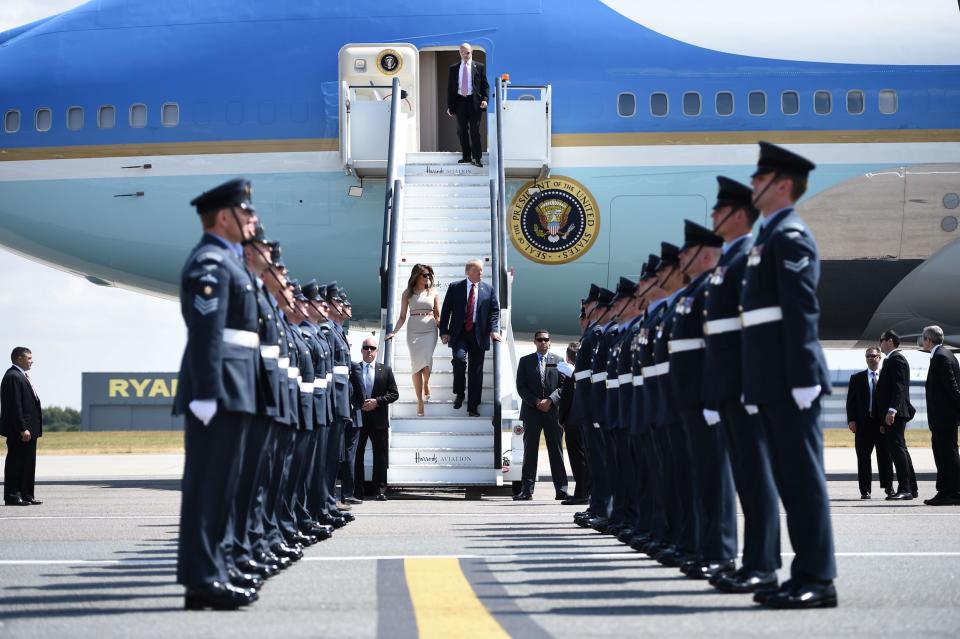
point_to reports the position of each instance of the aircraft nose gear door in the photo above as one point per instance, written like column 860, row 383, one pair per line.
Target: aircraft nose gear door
column 366, row 73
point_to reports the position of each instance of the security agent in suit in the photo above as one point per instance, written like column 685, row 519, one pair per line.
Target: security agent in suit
column 943, row 415
column 733, row 218
column 785, row 373
column 714, row 491
column 572, row 432
column 538, row 385
column 893, row 407
column 379, row 391
column 864, row 422
column 469, row 319
column 217, row 391
column 21, row 422
column 467, row 92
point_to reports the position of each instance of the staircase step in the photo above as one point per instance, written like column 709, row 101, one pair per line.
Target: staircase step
column 408, row 410
column 450, row 457
column 451, row 237
column 451, row 188
column 441, row 476
column 438, row 157
column 445, row 200
column 445, row 225
column 473, row 441
column 462, row 424
column 412, row 250
column 441, row 359
column 418, row 179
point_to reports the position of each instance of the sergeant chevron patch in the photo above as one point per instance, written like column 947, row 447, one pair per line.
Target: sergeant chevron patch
column 797, row 266
column 205, row 307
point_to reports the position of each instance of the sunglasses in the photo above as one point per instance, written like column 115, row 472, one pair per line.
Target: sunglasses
column 369, row 348
column 872, row 356
column 542, row 339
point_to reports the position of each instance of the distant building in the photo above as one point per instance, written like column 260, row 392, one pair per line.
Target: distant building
column 129, row 401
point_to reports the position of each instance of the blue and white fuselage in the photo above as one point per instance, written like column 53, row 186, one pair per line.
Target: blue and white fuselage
column 649, row 105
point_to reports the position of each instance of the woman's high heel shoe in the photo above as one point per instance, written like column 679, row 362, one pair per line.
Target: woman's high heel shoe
column 419, row 408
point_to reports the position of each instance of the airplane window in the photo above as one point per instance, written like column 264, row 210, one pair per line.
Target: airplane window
column 107, row 117
column 855, row 102
column 75, row 118
column 822, row 102
column 691, row 103
column 626, row 105
column 659, row 105
column 43, row 119
column 790, row 102
column 757, row 102
column 11, row 121
column 170, row 115
column 724, row 103
column 138, row 116
column 888, row 101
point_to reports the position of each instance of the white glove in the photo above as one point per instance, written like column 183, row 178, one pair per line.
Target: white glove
column 711, row 416
column 565, row 369
column 204, row 409
column 804, row 396
column 596, row 424
column 751, row 409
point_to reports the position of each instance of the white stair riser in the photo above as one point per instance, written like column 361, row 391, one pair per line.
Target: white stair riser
column 409, row 410
column 441, row 361
column 416, row 201
column 428, row 476
column 441, row 440
column 447, row 181
column 469, row 228
column 452, row 189
column 413, row 251
column 447, row 213
column 439, row 425
column 440, row 457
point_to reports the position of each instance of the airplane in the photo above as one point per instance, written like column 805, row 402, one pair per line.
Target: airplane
column 117, row 112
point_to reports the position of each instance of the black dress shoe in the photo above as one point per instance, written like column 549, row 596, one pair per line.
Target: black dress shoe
column 287, row 552
column 336, row 522
column 322, row 533
column 561, row 495
column 744, row 581
column 639, row 541
column 14, row 501
column 899, row 497
column 473, row 413
column 671, row 557
column 574, row 501
column 244, row 580
column 464, row 161
column 264, row 571
column 864, row 495
column 942, row 500
column 712, row 569
column 817, row 595
column 30, row 501
column 458, row 400
column 762, row 596
column 524, row 496
column 218, row 596
column 381, row 497
column 478, row 163
column 349, row 517
column 625, row 535
column 888, row 491
column 353, row 501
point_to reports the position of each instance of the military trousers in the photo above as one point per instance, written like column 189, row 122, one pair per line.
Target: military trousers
column 639, row 483
column 624, row 504
column 753, row 478
column 594, row 458
column 689, row 511
column 210, row 475
column 277, row 464
column 248, row 498
column 332, row 457
column 669, row 497
column 796, row 453
column 283, row 510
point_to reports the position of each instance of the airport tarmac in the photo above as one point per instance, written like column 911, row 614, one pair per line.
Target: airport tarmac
column 97, row 560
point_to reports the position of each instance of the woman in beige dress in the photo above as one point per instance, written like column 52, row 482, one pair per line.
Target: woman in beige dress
column 423, row 303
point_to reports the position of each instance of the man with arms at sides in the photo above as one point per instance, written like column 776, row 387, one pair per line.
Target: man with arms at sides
column 892, row 406
column 864, row 423
column 538, row 385
column 943, row 416
column 467, row 91
column 573, row 430
column 469, row 319
column 379, row 391
column 21, row 422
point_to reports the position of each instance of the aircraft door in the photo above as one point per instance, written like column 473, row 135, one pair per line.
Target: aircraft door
column 366, row 73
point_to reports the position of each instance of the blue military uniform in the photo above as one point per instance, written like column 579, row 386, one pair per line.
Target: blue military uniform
column 781, row 354
column 603, row 475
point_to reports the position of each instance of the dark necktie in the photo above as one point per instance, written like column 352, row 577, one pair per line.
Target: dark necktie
column 471, row 301
column 873, row 388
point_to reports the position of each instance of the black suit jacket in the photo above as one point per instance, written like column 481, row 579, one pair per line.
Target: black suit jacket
column 384, row 391
column 454, row 311
column 531, row 390
column 19, row 406
column 566, row 401
column 943, row 390
column 893, row 388
column 858, row 400
column 479, row 81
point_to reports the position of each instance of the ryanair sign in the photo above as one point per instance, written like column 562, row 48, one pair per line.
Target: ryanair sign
column 126, row 387
column 130, row 388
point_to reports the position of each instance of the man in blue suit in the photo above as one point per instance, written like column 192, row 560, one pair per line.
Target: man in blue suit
column 469, row 319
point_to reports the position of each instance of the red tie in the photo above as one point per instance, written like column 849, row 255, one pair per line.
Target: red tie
column 463, row 80
column 468, row 323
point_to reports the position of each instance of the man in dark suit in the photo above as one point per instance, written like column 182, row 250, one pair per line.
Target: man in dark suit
column 892, row 405
column 21, row 422
column 538, row 384
column 864, row 423
column 573, row 430
column 467, row 91
column 379, row 391
column 943, row 416
column 469, row 319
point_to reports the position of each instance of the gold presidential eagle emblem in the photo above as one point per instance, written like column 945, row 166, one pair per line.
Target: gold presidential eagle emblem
column 554, row 221
column 389, row 62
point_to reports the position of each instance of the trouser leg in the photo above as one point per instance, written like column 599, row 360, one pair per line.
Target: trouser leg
column 715, row 488
column 531, row 455
column 553, row 435
column 685, row 477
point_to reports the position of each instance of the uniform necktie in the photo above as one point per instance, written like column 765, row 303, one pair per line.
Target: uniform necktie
column 463, row 79
column 471, row 301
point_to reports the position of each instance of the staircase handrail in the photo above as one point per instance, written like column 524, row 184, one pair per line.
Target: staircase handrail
column 391, row 209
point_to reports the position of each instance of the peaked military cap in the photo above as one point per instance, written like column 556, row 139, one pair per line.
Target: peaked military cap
column 604, row 297
column 650, row 267
column 732, row 193
column 235, row 192
column 696, row 235
column 333, row 291
column 322, row 292
column 311, row 290
column 669, row 255
column 592, row 295
column 625, row 288
column 776, row 159
column 276, row 255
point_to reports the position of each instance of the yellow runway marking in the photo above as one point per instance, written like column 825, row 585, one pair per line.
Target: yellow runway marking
column 444, row 603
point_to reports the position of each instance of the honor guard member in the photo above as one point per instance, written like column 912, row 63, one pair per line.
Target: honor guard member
column 714, row 490
column 603, row 477
column 631, row 389
column 217, row 391
column 733, row 218
column 785, row 373
column 645, row 406
column 580, row 410
column 619, row 396
column 342, row 411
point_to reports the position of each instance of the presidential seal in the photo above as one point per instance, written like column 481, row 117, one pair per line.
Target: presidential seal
column 389, row 62
column 556, row 224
